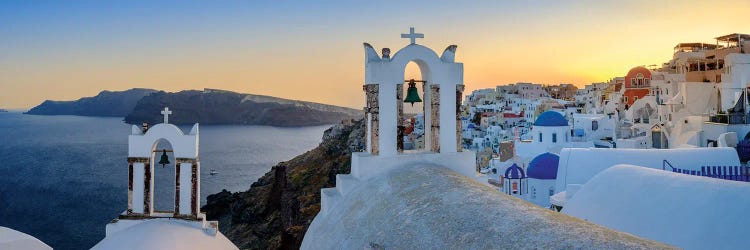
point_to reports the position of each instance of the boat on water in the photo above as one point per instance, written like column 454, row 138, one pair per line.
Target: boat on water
column 213, row 172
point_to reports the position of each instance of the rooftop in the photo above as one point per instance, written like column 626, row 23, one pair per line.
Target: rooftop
column 543, row 166
column 551, row 119
column 734, row 37
column 415, row 207
column 164, row 233
column 697, row 45
column 673, row 208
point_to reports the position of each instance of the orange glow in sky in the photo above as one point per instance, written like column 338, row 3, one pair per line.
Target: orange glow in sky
column 314, row 51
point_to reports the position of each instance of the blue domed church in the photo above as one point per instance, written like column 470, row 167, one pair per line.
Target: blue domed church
column 515, row 182
column 551, row 119
column 542, row 175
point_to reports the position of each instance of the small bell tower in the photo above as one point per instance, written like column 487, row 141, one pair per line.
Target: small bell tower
column 143, row 156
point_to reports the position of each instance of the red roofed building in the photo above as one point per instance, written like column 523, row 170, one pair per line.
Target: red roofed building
column 637, row 84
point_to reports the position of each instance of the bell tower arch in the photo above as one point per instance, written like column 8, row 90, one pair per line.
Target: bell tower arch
column 143, row 155
column 442, row 96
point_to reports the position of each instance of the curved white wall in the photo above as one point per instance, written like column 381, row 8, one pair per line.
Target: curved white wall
column 578, row 165
column 689, row 212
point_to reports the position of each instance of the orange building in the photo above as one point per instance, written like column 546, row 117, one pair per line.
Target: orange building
column 637, row 84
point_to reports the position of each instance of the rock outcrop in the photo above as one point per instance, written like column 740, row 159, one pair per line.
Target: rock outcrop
column 278, row 208
column 224, row 107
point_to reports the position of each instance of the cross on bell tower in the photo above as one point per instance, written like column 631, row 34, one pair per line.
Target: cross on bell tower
column 166, row 112
column 412, row 36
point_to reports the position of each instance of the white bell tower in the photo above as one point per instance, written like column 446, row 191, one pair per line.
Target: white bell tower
column 383, row 86
column 143, row 155
column 185, row 227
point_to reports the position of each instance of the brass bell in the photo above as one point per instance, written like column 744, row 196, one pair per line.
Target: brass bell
column 412, row 94
column 164, row 158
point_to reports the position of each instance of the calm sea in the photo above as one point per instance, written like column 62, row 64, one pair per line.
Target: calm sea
column 62, row 178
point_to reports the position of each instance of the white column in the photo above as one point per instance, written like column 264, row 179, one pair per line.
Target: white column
column 138, row 187
column 388, row 113
column 448, row 118
column 185, row 186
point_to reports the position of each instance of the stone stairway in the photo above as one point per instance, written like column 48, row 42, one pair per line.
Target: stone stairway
column 330, row 196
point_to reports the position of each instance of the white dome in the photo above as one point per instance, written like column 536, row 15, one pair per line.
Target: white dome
column 417, row 207
column 661, row 205
column 14, row 240
column 165, row 234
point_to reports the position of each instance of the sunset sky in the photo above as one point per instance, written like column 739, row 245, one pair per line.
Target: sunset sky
column 313, row 51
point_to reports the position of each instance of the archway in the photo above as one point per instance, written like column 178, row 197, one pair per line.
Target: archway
column 164, row 178
column 413, row 123
column 659, row 137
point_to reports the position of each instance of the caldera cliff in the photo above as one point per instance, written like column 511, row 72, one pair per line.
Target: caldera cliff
column 279, row 207
column 106, row 103
column 211, row 106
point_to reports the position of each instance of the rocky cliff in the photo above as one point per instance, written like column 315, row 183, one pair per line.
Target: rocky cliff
column 106, row 103
column 278, row 208
column 224, row 107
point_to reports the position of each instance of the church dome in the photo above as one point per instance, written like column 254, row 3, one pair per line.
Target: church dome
column 551, row 119
column 165, row 233
column 514, row 172
column 544, row 166
column 442, row 209
column 12, row 239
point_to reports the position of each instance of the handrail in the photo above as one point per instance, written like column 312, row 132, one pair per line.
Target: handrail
column 666, row 163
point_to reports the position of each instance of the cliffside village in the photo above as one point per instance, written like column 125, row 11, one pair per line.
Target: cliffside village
column 696, row 99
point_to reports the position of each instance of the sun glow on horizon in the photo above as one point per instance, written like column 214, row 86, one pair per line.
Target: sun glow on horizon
column 313, row 51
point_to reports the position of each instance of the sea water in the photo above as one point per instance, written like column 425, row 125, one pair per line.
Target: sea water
column 63, row 178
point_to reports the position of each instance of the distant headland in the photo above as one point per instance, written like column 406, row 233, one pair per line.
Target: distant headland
column 106, row 103
column 208, row 106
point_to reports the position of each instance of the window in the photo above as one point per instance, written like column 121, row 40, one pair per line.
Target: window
column 626, row 99
column 632, row 82
column 551, row 191
column 554, row 137
column 540, row 137
column 594, row 125
column 647, row 81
